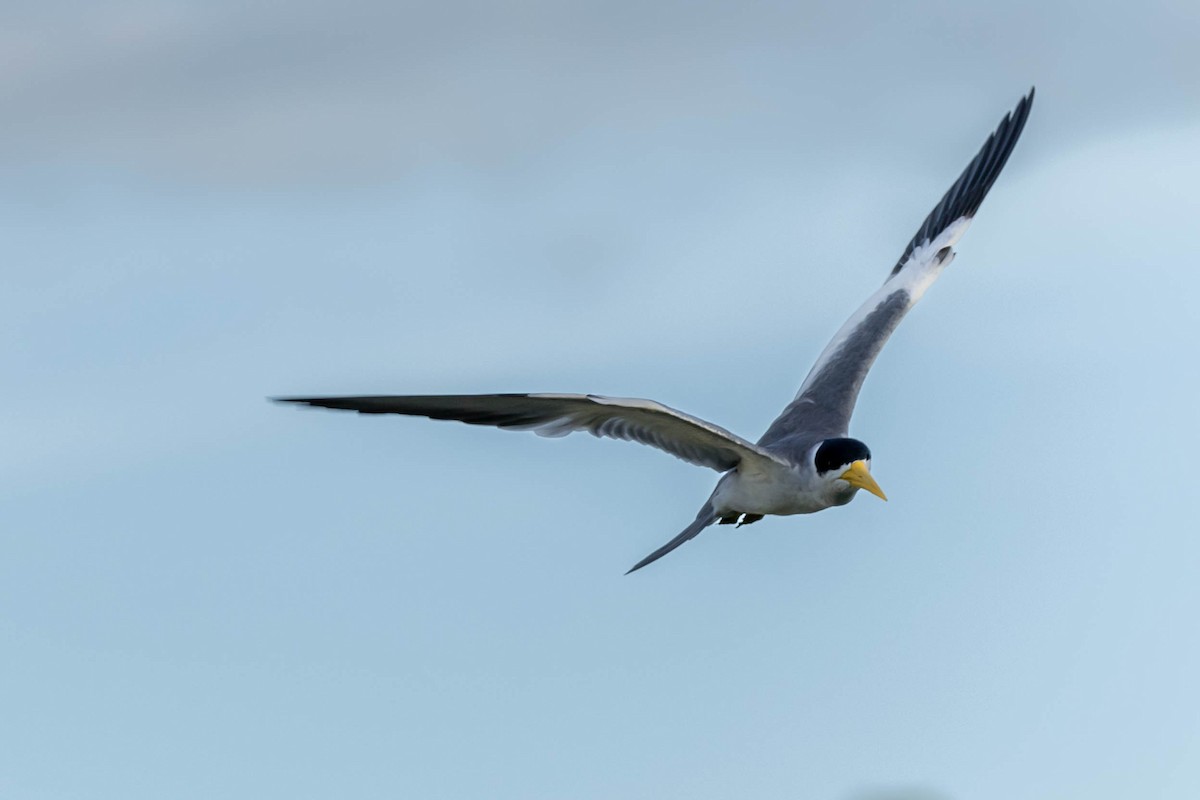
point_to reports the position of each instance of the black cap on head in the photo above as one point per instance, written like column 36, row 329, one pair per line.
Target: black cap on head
column 838, row 453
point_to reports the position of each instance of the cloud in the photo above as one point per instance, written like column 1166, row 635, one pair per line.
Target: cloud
column 370, row 91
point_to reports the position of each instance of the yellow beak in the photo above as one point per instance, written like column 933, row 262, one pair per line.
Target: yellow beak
column 859, row 477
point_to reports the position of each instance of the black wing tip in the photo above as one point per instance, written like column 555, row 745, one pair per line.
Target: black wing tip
column 964, row 197
column 362, row 405
column 305, row 401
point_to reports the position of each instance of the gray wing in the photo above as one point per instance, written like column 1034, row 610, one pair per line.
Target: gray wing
column 826, row 400
column 644, row 421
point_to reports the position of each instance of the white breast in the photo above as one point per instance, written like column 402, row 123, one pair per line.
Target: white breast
column 781, row 491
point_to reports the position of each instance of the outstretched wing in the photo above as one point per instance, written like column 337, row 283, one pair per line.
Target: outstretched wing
column 643, row 421
column 827, row 397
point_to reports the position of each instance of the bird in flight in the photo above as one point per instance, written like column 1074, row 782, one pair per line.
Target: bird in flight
column 805, row 462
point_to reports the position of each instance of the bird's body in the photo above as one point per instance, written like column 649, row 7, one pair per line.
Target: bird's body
column 778, row 491
column 804, row 463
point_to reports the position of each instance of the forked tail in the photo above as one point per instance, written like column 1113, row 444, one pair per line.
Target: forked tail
column 705, row 518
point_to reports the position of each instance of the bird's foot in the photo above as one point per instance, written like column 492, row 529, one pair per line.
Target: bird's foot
column 740, row 518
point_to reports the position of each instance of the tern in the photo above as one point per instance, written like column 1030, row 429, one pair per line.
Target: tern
column 806, row 461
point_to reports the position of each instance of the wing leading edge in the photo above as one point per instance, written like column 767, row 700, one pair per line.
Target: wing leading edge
column 643, row 421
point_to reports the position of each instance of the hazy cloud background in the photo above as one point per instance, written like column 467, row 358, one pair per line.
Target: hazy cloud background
column 205, row 595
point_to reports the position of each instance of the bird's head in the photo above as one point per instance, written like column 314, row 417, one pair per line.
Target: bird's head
column 846, row 465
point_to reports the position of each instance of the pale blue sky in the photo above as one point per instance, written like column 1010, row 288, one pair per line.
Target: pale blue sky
column 205, row 595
